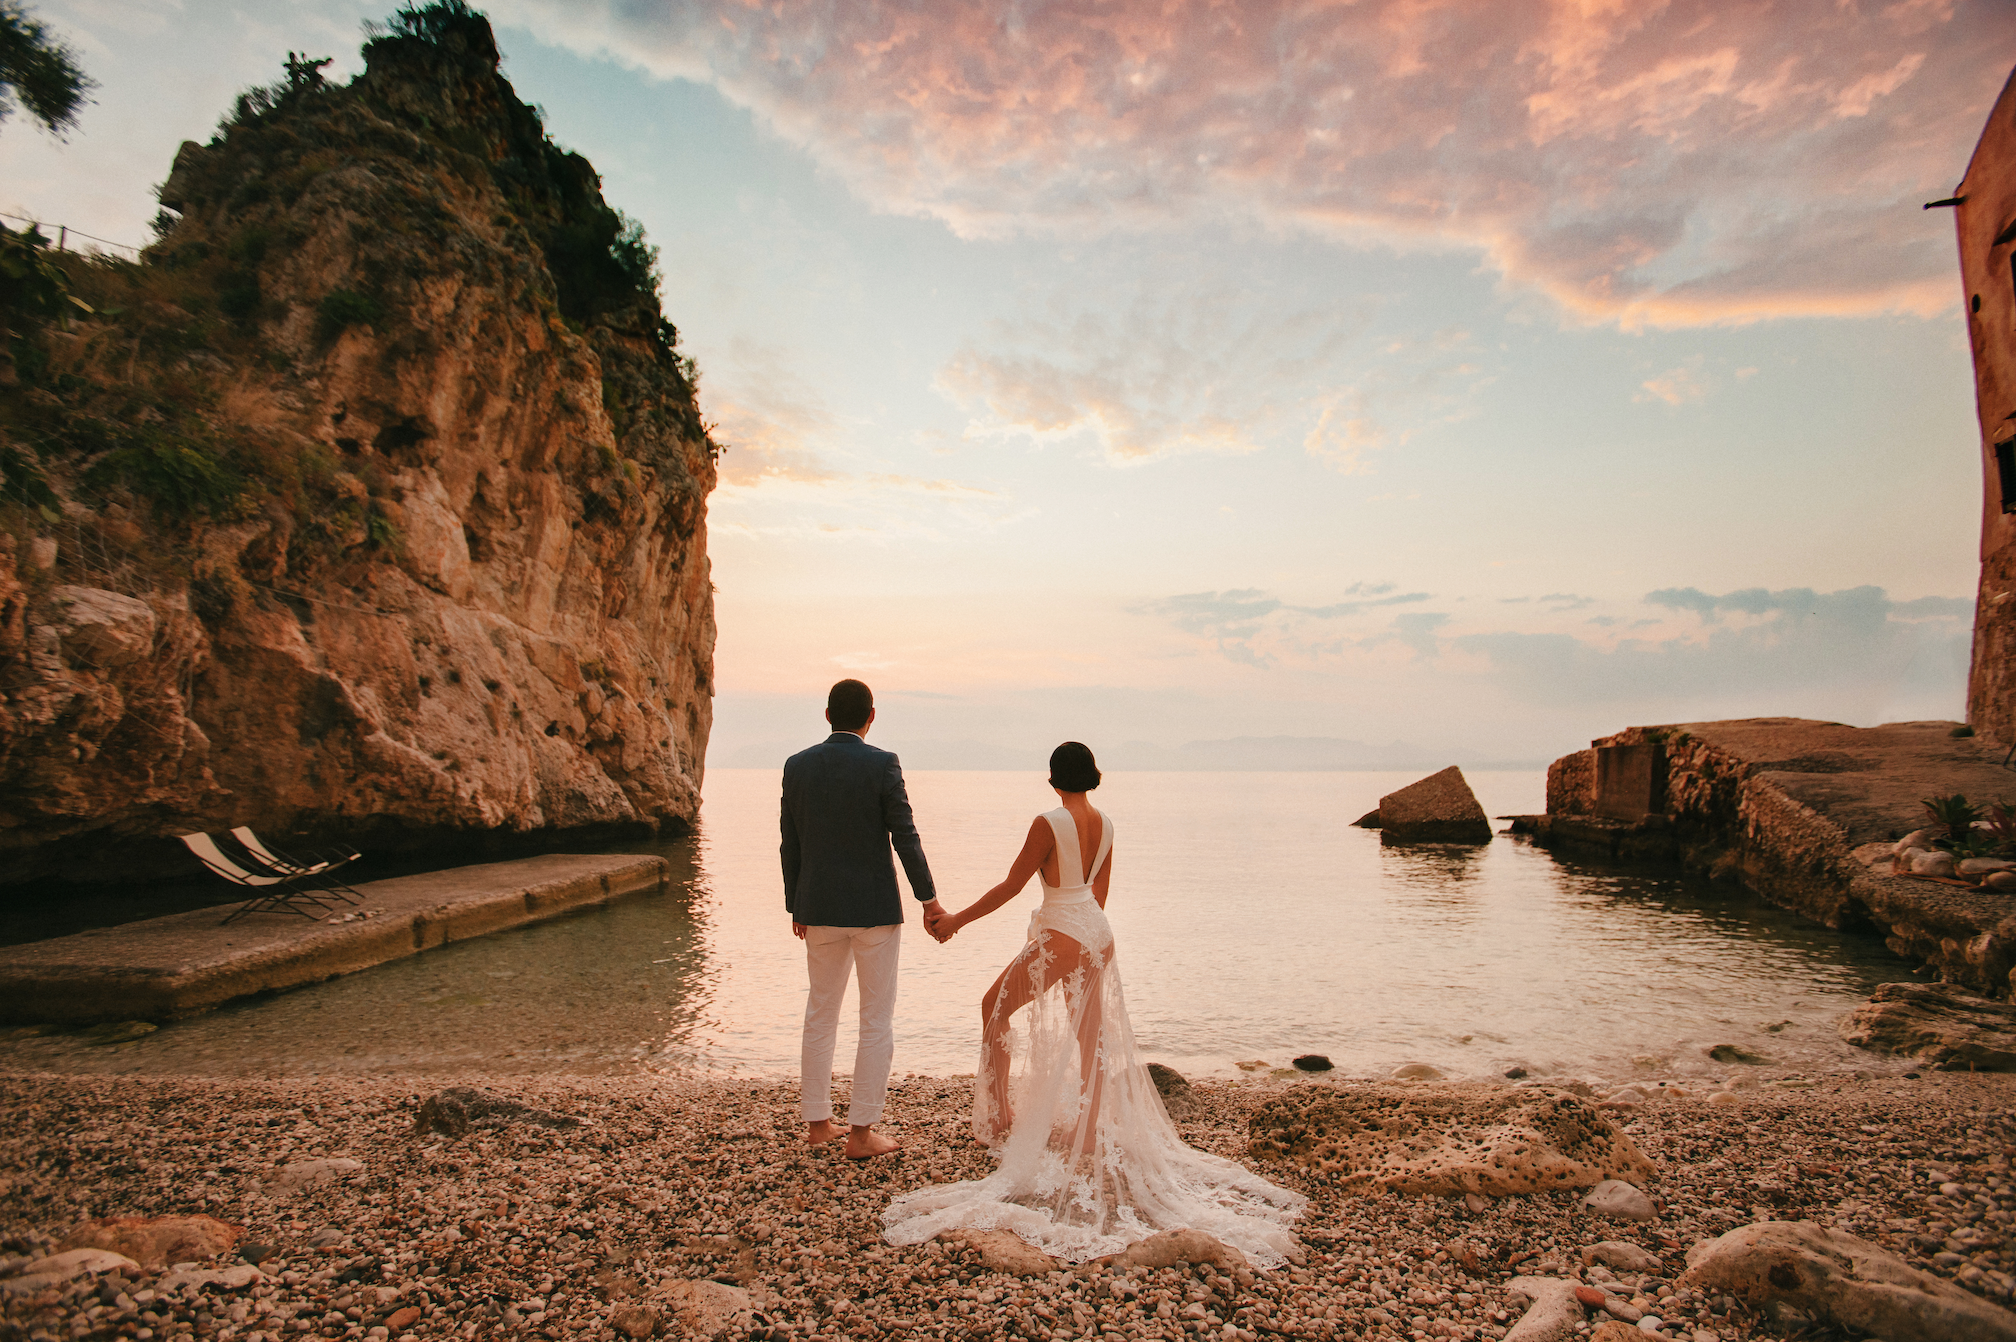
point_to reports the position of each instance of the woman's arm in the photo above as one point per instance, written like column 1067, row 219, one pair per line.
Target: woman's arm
column 1028, row 862
column 1103, row 879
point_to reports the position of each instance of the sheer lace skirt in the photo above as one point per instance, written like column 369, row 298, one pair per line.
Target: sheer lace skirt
column 1090, row 1161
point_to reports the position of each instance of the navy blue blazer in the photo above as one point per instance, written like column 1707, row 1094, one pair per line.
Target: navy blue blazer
column 844, row 805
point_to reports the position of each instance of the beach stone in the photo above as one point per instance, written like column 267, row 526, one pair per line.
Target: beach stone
column 1982, row 866
column 1723, row 1098
column 308, row 1173
column 1622, row 1309
column 1440, row 808
column 1621, row 1256
column 1496, row 1142
column 230, row 1278
column 705, row 1308
column 1590, row 1296
column 1476, row 1204
column 1553, row 1314
column 40, row 1274
column 1936, row 1024
column 1736, row 1053
column 1840, row 1279
column 636, row 1321
column 2000, row 880
column 1172, row 1247
column 402, row 1319
column 1167, row 1080
column 1416, row 1071
column 1932, row 864
column 456, row 1110
column 1619, row 1201
column 156, row 1241
column 1313, row 1062
column 1626, row 1095
column 1002, row 1252
column 1610, row 1330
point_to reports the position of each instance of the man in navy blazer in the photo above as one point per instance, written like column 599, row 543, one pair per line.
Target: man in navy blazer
column 844, row 806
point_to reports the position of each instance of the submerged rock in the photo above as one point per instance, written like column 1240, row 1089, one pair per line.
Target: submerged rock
column 1438, row 809
column 1937, row 1024
column 1403, row 1140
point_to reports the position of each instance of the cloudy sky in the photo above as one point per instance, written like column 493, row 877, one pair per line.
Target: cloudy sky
column 1481, row 377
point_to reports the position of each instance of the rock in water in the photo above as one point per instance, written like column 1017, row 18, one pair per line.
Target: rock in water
column 1438, row 809
column 1937, row 1024
column 1313, row 1062
column 432, row 562
column 1406, row 1140
column 1370, row 820
column 1843, row 1280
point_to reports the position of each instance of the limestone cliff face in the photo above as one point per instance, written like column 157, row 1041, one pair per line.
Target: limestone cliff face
column 373, row 504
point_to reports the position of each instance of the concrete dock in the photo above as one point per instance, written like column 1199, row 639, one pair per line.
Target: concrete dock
column 163, row 968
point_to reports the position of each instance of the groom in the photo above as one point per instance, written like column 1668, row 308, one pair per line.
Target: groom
column 843, row 806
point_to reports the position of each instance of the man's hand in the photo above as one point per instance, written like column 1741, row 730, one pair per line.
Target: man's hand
column 797, row 929
column 934, row 914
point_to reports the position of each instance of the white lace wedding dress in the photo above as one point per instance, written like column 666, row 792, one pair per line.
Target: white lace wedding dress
column 1090, row 1161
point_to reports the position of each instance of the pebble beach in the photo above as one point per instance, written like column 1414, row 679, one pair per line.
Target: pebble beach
column 364, row 1228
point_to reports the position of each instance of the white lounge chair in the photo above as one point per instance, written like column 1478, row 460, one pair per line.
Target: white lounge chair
column 283, row 864
column 281, row 893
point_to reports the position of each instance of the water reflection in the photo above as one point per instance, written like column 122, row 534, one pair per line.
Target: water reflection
column 1251, row 922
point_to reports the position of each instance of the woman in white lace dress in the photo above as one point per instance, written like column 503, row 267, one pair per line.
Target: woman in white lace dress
column 1090, row 1162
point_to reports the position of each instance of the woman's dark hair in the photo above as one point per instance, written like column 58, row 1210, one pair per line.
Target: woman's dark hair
column 848, row 705
column 1072, row 768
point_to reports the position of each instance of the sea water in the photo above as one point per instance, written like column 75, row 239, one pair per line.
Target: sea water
column 1253, row 924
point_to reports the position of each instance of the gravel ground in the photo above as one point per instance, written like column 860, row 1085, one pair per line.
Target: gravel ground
column 532, row 1233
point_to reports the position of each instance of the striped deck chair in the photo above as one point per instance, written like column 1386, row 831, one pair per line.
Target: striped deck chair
column 278, row 893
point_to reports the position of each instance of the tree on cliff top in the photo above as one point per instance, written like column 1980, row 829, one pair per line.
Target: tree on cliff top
column 38, row 71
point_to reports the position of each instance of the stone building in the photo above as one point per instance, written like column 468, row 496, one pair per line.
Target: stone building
column 1985, row 218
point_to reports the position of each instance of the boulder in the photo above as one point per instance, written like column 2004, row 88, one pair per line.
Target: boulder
column 1312, row 1062
column 52, row 1270
column 1553, row 1313
column 1842, row 1280
column 1400, row 1139
column 1438, row 809
column 156, row 1241
column 1167, row 1080
column 1936, row 1024
column 1619, row 1201
column 1621, row 1256
column 1002, row 1252
column 456, row 1110
column 1370, row 820
column 1174, row 1247
column 705, row 1309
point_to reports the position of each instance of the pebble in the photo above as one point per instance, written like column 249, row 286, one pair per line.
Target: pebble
column 528, row 1233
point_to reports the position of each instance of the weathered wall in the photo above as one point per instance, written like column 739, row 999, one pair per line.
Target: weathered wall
column 455, row 585
column 1986, row 223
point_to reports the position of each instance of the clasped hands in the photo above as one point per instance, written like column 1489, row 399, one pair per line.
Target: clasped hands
column 940, row 922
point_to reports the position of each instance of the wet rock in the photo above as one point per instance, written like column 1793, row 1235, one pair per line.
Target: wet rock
column 156, row 1241
column 308, row 1173
column 705, row 1309
column 40, row 1274
column 1167, row 1080
column 1313, row 1062
column 458, row 1109
column 1936, row 1024
column 1621, row 1256
column 1619, row 1201
column 1834, row 1276
column 1553, row 1313
column 1736, row 1053
column 1370, row 820
column 1173, row 1247
column 1415, row 1071
column 1402, row 1140
column 1440, row 808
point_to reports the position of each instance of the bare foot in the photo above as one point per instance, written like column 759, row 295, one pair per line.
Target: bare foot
column 866, row 1144
column 825, row 1130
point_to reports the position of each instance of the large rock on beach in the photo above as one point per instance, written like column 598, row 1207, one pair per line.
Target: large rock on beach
column 1936, row 1024
column 456, row 1110
column 53, row 1270
column 1842, row 1280
column 1438, row 809
column 1002, row 1252
column 1406, row 1140
column 156, row 1241
column 705, row 1309
column 1553, row 1313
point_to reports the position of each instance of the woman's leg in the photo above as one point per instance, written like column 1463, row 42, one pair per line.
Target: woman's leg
column 1048, row 958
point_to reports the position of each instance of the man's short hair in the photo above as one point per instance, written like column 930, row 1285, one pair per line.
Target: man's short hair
column 848, row 705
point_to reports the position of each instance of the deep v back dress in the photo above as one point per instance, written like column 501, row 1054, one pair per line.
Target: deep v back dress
column 1090, row 1161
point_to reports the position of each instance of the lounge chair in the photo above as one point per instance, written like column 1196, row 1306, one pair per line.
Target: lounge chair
column 280, row 893
column 317, row 864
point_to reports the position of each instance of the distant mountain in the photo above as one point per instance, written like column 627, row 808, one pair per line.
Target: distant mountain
column 1232, row 754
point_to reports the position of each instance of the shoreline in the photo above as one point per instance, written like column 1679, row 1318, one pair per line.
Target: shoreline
column 530, row 1232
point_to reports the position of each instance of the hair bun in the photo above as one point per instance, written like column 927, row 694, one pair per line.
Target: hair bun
column 1072, row 768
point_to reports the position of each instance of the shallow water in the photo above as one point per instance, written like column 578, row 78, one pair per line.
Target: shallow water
column 1252, row 922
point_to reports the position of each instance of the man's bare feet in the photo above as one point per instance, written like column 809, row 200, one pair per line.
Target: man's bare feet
column 866, row 1144
column 825, row 1130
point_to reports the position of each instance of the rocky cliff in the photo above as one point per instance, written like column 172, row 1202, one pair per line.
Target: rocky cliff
column 371, row 503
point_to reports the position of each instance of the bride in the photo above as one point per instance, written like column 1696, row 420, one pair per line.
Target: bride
column 1090, row 1162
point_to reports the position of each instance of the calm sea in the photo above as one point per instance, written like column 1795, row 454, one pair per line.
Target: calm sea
column 1253, row 924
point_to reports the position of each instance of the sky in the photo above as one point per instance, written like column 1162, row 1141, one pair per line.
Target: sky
column 1425, row 381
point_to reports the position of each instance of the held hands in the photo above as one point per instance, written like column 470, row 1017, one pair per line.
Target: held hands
column 940, row 922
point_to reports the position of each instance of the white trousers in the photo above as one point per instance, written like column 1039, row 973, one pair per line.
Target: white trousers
column 872, row 954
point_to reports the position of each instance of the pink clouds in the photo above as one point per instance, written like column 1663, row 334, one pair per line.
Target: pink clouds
column 1644, row 163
